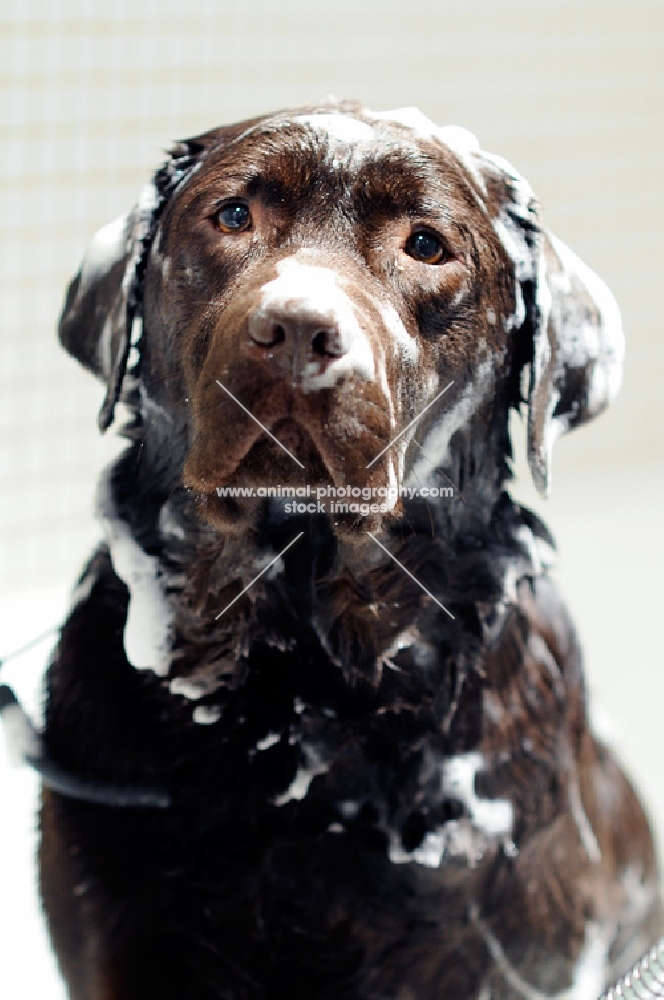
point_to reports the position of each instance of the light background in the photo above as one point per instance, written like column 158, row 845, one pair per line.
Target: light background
column 571, row 91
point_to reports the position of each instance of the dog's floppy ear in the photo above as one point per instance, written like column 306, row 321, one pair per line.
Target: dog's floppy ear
column 578, row 349
column 97, row 317
column 567, row 315
column 101, row 319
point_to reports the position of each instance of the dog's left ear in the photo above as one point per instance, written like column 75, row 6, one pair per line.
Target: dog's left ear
column 577, row 355
column 568, row 316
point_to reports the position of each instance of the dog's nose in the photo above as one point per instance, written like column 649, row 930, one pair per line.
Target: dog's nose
column 298, row 333
column 305, row 326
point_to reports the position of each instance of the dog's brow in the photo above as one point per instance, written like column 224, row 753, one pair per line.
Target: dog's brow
column 274, row 190
column 396, row 183
column 284, row 175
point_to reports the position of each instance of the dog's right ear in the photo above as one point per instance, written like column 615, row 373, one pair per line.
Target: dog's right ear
column 95, row 320
column 101, row 318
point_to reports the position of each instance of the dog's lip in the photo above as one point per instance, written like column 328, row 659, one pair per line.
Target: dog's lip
column 308, row 450
column 326, row 440
column 234, row 475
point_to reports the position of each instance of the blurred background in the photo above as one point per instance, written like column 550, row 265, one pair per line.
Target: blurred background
column 571, row 91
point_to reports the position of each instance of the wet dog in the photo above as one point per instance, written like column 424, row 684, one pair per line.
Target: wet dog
column 321, row 708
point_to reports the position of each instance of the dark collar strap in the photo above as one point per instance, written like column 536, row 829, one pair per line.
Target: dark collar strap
column 26, row 746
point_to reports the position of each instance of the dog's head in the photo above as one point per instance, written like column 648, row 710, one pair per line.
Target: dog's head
column 333, row 295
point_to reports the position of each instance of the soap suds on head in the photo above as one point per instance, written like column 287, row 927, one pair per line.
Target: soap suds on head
column 462, row 142
column 338, row 127
column 347, row 130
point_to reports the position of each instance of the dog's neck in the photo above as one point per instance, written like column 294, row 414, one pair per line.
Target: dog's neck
column 370, row 602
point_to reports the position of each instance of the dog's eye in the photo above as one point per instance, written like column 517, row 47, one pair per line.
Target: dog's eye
column 233, row 217
column 425, row 246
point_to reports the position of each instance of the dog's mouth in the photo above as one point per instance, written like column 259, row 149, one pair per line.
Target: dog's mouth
column 288, row 445
column 286, row 464
column 279, row 461
column 286, row 455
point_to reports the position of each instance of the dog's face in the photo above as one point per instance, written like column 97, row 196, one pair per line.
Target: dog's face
column 334, row 276
column 311, row 282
